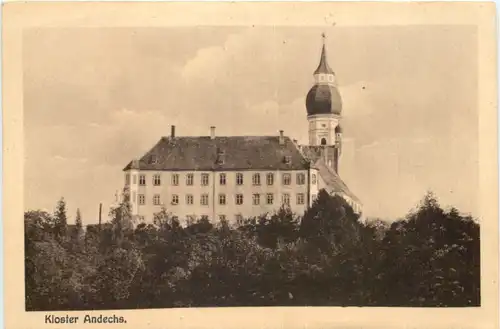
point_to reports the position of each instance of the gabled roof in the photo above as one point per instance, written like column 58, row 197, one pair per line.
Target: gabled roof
column 236, row 153
column 334, row 184
column 313, row 153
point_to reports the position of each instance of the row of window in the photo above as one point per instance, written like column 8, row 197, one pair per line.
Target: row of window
column 238, row 218
column 256, row 179
column 267, row 198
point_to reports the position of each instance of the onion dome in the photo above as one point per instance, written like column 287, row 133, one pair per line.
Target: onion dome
column 323, row 99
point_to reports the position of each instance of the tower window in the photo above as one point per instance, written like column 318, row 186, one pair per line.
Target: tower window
column 142, row 199
column 323, row 141
column 142, row 180
column 313, row 179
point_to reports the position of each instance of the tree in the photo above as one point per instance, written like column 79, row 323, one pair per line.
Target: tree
column 121, row 218
column 77, row 234
column 60, row 220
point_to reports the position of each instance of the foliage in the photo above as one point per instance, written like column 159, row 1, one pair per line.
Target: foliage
column 326, row 258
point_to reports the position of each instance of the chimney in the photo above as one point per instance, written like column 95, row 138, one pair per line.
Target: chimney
column 172, row 131
column 282, row 139
column 212, row 132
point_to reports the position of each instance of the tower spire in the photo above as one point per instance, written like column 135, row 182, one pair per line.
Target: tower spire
column 323, row 67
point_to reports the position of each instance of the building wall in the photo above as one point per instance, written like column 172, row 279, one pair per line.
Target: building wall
column 213, row 209
column 322, row 126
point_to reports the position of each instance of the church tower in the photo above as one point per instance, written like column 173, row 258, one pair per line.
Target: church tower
column 324, row 108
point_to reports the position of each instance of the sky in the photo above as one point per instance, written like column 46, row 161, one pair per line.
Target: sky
column 95, row 98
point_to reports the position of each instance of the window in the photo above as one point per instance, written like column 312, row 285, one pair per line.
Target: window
column 204, row 179
column 287, row 179
column 301, row 179
column 127, row 179
column 288, row 159
column 204, row 200
column 189, row 179
column 270, row 179
column 269, row 198
column 189, row 199
column 239, row 198
column 314, row 197
column 152, row 159
column 256, row 179
column 141, row 218
column 156, row 199
column 286, row 198
column 222, row 199
column 239, row 179
column 142, row 199
column 256, row 199
column 300, row 198
column 156, row 180
column 175, row 179
column 175, row 199
column 239, row 219
column 323, row 141
column 134, row 196
column 313, row 179
column 222, row 179
column 222, row 218
column 142, row 180
column 134, row 179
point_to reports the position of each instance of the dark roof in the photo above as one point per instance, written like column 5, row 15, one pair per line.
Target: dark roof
column 323, row 66
column 334, row 184
column 236, row 153
column 314, row 153
column 323, row 99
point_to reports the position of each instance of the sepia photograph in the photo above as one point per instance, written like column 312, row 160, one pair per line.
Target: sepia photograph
column 249, row 164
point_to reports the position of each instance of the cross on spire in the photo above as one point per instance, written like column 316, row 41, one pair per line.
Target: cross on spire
column 323, row 66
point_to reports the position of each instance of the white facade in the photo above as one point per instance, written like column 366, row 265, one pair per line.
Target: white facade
column 322, row 129
column 229, row 195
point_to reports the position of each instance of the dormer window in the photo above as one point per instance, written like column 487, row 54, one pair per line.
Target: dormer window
column 288, row 159
column 220, row 156
column 152, row 159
